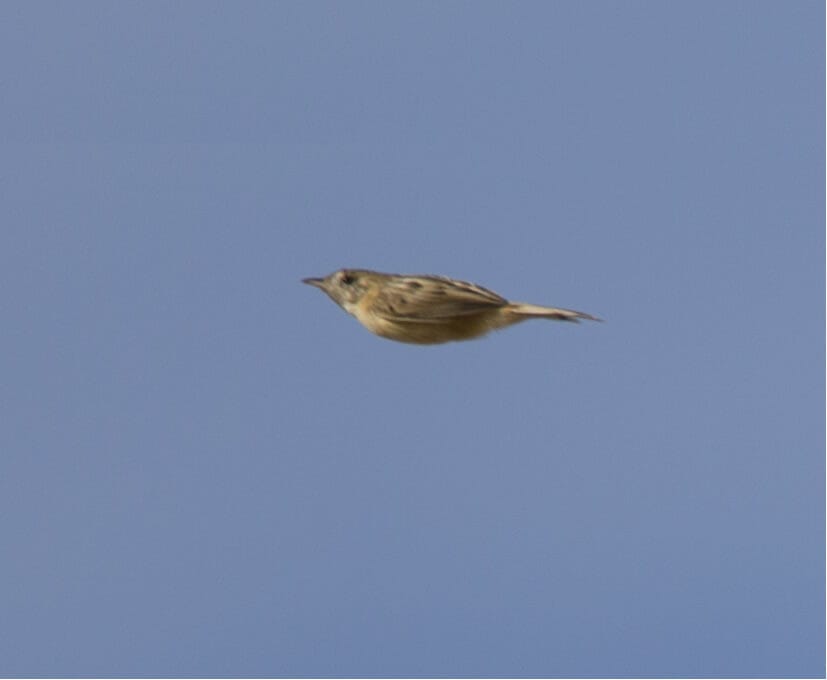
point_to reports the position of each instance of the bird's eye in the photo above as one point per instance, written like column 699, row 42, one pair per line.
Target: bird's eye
column 347, row 279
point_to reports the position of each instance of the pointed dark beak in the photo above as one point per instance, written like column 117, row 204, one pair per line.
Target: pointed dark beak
column 319, row 283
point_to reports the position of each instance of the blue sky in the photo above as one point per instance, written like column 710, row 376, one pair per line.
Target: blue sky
column 209, row 469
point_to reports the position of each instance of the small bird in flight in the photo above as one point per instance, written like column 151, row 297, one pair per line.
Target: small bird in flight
column 427, row 310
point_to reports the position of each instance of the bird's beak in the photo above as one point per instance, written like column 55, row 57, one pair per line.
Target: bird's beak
column 319, row 283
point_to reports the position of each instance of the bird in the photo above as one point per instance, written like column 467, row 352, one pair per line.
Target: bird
column 426, row 309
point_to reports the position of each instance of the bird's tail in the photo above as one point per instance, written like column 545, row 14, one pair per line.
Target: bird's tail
column 538, row 311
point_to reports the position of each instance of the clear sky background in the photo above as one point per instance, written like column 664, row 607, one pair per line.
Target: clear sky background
column 209, row 469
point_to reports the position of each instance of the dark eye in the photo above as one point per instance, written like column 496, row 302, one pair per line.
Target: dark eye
column 347, row 279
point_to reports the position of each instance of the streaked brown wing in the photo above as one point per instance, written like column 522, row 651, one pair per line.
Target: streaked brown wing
column 434, row 298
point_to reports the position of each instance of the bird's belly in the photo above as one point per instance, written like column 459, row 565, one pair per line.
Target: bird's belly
column 430, row 332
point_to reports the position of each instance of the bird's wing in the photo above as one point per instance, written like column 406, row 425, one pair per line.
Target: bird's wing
column 434, row 298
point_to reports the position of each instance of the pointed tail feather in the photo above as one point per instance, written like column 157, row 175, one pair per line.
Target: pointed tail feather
column 522, row 309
